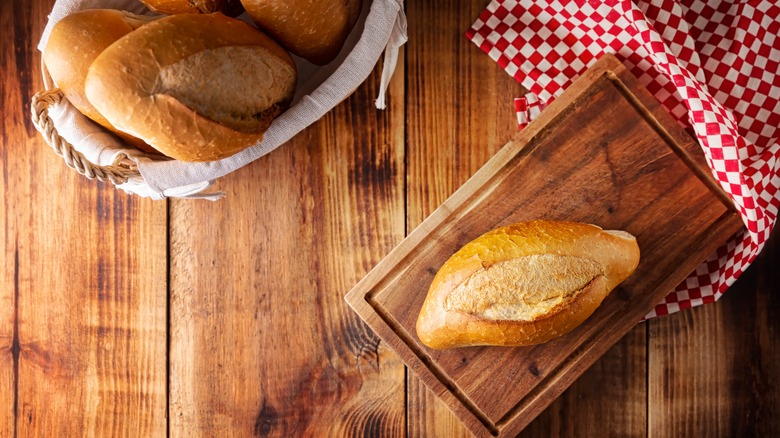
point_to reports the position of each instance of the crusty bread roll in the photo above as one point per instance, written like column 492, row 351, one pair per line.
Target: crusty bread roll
column 75, row 42
column 195, row 87
column 312, row 29
column 171, row 7
column 524, row 284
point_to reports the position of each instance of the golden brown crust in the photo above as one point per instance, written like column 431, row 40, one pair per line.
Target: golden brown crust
column 312, row 29
column 128, row 84
column 230, row 8
column 437, row 327
column 75, row 42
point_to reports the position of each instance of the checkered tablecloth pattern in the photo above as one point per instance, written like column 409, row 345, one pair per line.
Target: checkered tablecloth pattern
column 714, row 65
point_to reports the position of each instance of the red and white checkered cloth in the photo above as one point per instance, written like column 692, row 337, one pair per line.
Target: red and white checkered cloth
column 713, row 64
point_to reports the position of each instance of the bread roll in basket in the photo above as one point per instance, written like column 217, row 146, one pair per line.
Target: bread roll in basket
column 94, row 152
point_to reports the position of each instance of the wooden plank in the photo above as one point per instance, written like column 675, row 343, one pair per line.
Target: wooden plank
column 92, row 333
column 262, row 342
column 11, row 128
column 713, row 369
column 459, row 114
column 89, row 277
column 633, row 171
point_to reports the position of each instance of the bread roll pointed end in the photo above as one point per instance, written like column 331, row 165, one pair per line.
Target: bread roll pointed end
column 524, row 284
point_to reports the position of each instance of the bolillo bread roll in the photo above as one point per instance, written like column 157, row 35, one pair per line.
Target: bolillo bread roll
column 75, row 42
column 196, row 87
column 524, row 284
column 312, row 29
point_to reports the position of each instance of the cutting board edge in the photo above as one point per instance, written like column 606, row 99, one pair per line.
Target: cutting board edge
column 465, row 409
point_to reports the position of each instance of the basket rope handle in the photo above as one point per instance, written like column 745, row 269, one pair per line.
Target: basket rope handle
column 117, row 173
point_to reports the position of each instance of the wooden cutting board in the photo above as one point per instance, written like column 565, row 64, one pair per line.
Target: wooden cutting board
column 604, row 152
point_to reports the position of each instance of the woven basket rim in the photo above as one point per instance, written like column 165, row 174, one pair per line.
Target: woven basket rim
column 119, row 172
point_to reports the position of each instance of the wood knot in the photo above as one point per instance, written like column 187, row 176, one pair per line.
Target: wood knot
column 266, row 420
column 363, row 343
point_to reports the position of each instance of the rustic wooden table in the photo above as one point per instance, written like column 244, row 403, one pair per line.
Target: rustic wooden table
column 122, row 316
